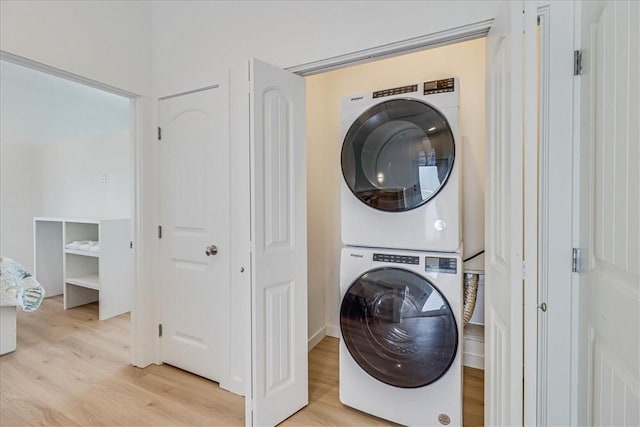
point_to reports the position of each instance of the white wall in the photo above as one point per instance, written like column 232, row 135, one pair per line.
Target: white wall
column 324, row 97
column 192, row 40
column 43, row 108
column 20, row 201
column 73, row 173
column 107, row 41
column 323, row 216
column 62, row 179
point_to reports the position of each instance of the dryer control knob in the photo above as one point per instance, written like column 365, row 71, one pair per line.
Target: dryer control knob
column 440, row 225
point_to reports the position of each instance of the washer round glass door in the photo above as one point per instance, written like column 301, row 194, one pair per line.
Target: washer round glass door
column 398, row 327
column 398, row 155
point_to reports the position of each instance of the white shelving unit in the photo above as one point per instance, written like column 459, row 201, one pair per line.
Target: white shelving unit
column 48, row 255
column 84, row 276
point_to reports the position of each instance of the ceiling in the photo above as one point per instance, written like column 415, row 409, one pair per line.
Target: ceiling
column 39, row 108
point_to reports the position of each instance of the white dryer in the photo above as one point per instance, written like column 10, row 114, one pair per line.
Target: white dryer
column 401, row 167
column 401, row 335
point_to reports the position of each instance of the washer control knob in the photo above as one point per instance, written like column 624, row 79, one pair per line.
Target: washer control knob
column 444, row 419
column 440, row 225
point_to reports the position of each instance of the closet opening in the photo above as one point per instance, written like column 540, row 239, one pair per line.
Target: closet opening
column 326, row 128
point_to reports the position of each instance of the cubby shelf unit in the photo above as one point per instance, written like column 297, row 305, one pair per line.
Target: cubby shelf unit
column 84, row 276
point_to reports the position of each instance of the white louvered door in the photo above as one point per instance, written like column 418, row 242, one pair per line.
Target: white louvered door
column 607, row 213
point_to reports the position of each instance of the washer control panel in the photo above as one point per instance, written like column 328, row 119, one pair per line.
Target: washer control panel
column 395, row 91
column 399, row 259
column 438, row 86
column 440, row 265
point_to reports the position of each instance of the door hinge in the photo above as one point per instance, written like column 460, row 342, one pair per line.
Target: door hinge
column 524, row 270
column 577, row 62
column 159, row 133
column 159, row 232
column 159, row 329
column 576, row 260
column 130, row 244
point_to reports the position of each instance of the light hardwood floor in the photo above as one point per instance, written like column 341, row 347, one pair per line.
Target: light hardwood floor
column 70, row 369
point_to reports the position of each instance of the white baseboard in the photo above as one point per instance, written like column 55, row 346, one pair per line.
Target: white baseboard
column 473, row 354
column 328, row 330
column 333, row 331
column 473, row 360
column 317, row 337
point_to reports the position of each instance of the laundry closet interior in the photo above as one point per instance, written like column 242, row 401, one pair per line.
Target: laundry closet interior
column 337, row 220
column 465, row 60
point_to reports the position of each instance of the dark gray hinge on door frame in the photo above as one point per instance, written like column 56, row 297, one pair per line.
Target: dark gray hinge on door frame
column 577, row 62
column 159, row 133
column 159, row 232
column 160, row 329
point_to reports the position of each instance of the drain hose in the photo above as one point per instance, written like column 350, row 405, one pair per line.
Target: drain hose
column 470, row 295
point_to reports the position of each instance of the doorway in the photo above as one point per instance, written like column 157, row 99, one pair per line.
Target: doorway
column 68, row 191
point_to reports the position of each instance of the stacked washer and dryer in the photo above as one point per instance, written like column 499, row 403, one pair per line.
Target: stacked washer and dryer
column 401, row 269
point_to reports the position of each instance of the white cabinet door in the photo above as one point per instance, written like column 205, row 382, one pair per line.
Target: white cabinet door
column 607, row 200
column 506, row 84
column 279, row 383
column 194, row 216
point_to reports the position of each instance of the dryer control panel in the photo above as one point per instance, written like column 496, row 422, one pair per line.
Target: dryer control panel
column 438, row 86
column 440, row 265
column 395, row 91
column 399, row 259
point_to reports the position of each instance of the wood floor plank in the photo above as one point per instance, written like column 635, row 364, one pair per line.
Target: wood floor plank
column 71, row 369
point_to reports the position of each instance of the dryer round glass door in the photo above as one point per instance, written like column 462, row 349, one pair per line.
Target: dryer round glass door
column 398, row 327
column 398, row 155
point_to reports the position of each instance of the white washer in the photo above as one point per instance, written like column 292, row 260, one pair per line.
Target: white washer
column 401, row 335
column 401, row 167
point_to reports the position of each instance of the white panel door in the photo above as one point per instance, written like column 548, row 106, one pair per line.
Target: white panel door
column 195, row 215
column 607, row 200
column 504, row 228
column 279, row 384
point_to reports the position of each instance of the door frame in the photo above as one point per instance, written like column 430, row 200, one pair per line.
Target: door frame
column 471, row 31
column 137, row 355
